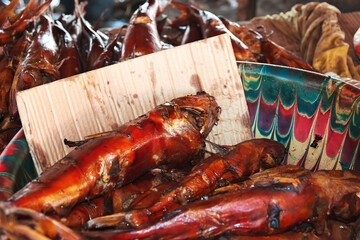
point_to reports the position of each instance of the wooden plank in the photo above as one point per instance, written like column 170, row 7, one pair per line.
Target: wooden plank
column 103, row 99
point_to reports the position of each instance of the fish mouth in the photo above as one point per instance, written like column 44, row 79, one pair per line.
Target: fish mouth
column 201, row 110
column 273, row 154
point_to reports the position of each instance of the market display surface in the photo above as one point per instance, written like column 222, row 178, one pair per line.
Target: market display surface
column 151, row 177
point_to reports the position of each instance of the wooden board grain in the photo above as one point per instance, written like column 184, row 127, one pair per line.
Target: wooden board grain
column 103, row 99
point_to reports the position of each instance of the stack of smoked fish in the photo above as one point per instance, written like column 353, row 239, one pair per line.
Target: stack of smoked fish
column 37, row 49
column 150, row 178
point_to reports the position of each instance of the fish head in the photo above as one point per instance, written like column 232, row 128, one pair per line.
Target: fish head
column 201, row 110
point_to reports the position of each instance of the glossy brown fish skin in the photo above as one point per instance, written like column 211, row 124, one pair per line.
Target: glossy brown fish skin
column 6, row 77
column 14, row 24
column 341, row 191
column 40, row 63
column 335, row 185
column 167, row 137
column 252, row 211
column 91, row 44
column 235, row 162
column 73, row 22
column 337, row 190
column 8, row 129
column 210, row 26
column 248, row 44
column 143, row 192
column 271, row 202
column 111, row 52
column 142, row 36
column 251, row 38
column 275, row 54
column 88, row 42
column 337, row 231
column 25, row 223
column 7, row 13
column 264, row 49
column 69, row 58
column 193, row 31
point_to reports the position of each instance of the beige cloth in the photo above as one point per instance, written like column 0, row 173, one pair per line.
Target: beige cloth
column 322, row 43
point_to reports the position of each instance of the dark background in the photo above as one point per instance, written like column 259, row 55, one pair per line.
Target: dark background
column 236, row 10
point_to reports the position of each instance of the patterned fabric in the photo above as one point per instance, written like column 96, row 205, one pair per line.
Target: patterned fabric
column 316, row 117
column 16, row 166
column 314, row 28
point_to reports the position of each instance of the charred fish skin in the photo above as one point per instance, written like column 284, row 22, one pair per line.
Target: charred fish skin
column 165, row 137
column 234, row 162
column 258, row 207
column 141, row 193
column 252, row 211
